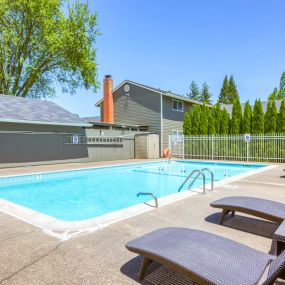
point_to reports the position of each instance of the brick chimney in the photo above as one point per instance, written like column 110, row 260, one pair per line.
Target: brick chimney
column 108, row 114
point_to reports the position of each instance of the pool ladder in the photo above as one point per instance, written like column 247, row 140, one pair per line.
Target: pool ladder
column 198, row 173
column 149, row 194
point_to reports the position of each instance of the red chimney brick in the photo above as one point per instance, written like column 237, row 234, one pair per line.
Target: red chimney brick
column 108, row 114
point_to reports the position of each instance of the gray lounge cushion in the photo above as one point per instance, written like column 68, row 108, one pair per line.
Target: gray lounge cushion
column 267, row 209
column 205, row 258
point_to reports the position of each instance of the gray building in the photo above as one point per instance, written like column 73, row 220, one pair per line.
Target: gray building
column 39, row 131
column 132, row 103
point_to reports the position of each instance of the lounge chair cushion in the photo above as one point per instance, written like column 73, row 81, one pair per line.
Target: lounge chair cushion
column 263, row 208
column 203, row 256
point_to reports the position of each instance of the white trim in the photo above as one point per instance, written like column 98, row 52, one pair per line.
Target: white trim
column 45, row 123
column 178, row 101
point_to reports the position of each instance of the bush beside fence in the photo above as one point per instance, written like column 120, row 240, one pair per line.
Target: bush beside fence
column 259, row 148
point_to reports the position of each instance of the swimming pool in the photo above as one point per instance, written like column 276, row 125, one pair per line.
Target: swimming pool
column 88, row 193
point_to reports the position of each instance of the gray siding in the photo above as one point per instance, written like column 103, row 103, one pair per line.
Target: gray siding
column 141, row 107
column 101, row 152
column 172, row 120
column 23, row 143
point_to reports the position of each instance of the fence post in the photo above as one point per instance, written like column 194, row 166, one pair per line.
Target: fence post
column 212, row 147
column 247, row 150
column 183, row 150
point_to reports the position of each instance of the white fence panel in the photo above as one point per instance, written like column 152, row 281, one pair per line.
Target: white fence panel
column 267, row 148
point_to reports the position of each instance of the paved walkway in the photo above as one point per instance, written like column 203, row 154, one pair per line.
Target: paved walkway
column 28, row 256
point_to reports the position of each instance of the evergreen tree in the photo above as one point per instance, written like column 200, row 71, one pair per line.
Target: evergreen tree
column 270, row 118
column 187, row 123
column 282, row 85
column 195, row 122
column 194, row 92
column 211, row 122
column 247, row 117
column 217, row 118
column 205, row 96
column 225, row 122
column 257, row 118
column 275, row 95
column 236, row 118
column 281, row 118
column 223, row 97
column 232, row 91
column 204, row 116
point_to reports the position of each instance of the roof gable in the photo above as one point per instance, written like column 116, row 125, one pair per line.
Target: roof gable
column 157, row 90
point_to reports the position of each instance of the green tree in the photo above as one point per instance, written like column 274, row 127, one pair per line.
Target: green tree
column 187, row 123
column 232, row 91
column 224, row 93
column 275, row 95
column 44, row 44
column 247, row 117
column 281, row 118
column 236, row 118
column 194, row 92
column 225, row 122
column 282, row 85
column 205, row 96
column 195, row 122
column 211, row 122
column 270, row 118
column 204, row 117
column 257, row 118
column 217, row 118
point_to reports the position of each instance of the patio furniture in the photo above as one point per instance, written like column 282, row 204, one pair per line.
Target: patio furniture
column 206, row 258
column 262, row 208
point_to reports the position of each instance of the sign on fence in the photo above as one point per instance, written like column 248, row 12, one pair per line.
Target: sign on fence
column 247, row 147
column 247, row 137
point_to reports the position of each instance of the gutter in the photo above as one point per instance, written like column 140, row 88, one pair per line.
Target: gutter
column 45, row 123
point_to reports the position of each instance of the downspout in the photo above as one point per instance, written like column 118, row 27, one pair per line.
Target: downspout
column 161, row 124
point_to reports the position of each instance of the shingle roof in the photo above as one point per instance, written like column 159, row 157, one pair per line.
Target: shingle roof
column 24, row 110
column 92, row 119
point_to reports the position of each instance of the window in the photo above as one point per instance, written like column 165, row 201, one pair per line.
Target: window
column 177, row 105
column 176, row 136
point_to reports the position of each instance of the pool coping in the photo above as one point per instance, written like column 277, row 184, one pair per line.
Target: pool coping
column 65, row 230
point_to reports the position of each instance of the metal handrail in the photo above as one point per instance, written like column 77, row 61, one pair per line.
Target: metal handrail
column 150, row 194
column 212, row 176
column 196, row 177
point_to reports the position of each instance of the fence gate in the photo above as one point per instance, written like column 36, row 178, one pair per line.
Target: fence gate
column 267, row 148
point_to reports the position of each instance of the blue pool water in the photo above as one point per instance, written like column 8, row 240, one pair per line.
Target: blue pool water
column 84, row 194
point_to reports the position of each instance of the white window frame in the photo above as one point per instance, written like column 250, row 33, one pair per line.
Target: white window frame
column 176, row 135
column 182, row 105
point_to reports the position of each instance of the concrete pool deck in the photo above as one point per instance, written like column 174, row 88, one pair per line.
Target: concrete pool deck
column 29, row 256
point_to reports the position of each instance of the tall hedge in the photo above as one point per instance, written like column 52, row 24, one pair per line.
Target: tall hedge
column 195, row 124
column 187, row 123
column 225, row 122
column 270, row 118
column 247, row 117
column 217, row 118
column 281, row 118
column 211, row 123
column 204, row 118
column 236, row 118
column 257, row 118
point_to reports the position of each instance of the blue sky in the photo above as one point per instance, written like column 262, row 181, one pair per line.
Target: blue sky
column 169, row 43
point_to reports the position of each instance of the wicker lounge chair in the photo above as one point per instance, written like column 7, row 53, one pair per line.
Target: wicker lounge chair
column 207, row 259
column 262, row 208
